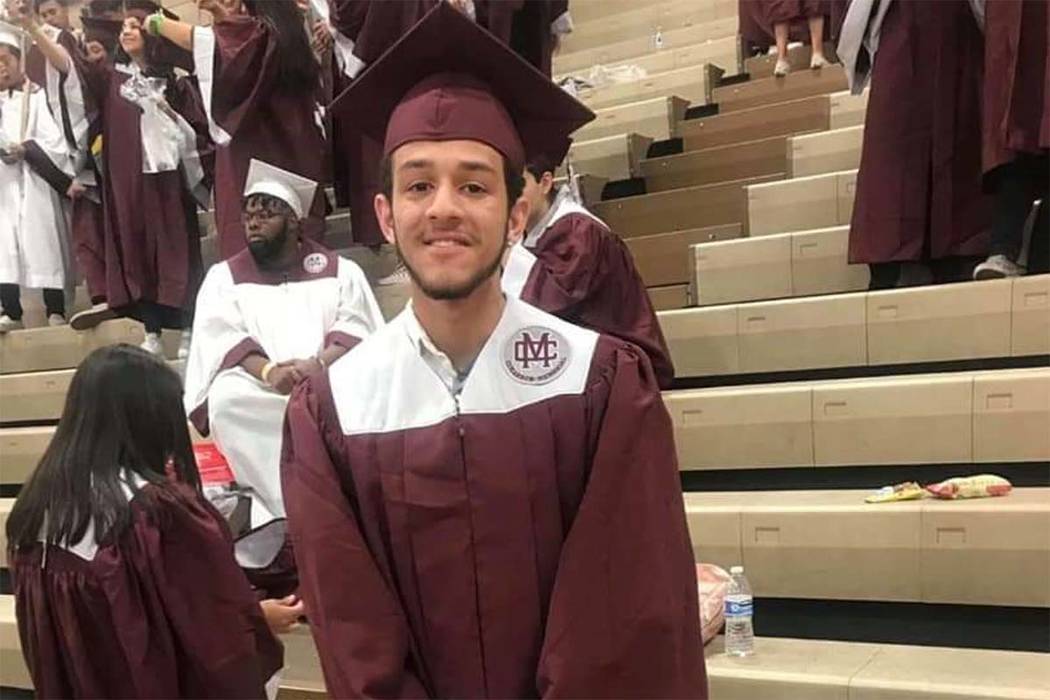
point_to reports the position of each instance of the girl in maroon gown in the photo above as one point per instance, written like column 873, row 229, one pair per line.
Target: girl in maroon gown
column 124, row 576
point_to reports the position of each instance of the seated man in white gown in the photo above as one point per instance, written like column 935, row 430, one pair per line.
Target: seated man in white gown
column 266, row 319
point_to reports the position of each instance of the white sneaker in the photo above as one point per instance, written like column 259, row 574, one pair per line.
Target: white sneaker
column 398, row 276
column 781, row 69
column 152, row 344
column 56, row 320
column 997, row 267
column 184, row 345
column 89, row 318
column 9, row 324
column 817, row 62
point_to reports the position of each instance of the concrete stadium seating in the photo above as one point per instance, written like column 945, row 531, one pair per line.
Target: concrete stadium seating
column 802, row 203
column 997, row 416
column 663, row 259
column 613, row 157
column 47, row 348
column 769, row 91
column 720, row 51
column 798, row 56
column 675, row 296
column 668, row 15
column 656, row 118
column 640, row 46
column 803, row 263
column 764, row 158
column 832, row 545
column 827, row 152
column 675, row 210
column 921, row 324
column 688, row 83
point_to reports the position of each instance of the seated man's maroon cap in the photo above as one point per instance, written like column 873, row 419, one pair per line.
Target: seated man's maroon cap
column 449, row 79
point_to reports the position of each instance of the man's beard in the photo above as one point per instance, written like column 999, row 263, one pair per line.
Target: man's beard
column 453, row 292
column 266, row 250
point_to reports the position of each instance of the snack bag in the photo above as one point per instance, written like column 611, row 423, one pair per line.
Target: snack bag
column 711, row 584
column 980, row 486
column 908, row 491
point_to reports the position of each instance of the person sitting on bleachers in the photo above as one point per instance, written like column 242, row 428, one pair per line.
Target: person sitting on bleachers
column 125, row 584
column 35, row 170
column 570, row 264
column 267, row 318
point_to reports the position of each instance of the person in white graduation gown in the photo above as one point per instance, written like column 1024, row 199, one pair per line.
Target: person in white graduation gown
column 34, row 164
column 267, row 318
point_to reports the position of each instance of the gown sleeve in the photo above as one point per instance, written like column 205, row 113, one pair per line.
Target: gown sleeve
column 244, row 70
column 624, row 615
column 586, row 275
column 357, row 621
column 226, row 648
column 358, row 313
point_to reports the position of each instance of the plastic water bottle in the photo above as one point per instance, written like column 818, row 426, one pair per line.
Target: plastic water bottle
column 740, row 632
column 658, row 39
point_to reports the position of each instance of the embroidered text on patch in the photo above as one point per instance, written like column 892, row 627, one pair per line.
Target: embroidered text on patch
column 535, row 355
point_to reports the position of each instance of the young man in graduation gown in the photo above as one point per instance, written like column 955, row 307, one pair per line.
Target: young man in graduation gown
column 919, row 211
column 570, row 264
column 35, row 167
column 1015, row 138
column 268, row 317
column 260, row 84
column 483, row 498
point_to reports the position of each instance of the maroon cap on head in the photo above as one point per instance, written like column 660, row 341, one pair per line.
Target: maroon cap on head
column 449, row 79
column 104, row 31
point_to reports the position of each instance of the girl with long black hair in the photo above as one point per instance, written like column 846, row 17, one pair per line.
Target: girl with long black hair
column 124, row 576
column 261, row 82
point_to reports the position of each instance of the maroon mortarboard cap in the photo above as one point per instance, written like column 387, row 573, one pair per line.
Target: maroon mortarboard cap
column 447, row 79
column 104, row 31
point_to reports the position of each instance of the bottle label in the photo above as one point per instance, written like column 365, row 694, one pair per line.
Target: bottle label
column 738, row 608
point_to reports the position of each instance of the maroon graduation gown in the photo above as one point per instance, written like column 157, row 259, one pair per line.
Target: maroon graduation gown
column 758, row 17
column 585, row 274
column 152, row 237
column 265, row 120
column 514, row 541
column 1015, row 79
column 163, row 612
column 919, row 191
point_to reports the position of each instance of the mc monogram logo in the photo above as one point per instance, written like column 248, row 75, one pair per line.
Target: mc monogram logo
column 535, row 355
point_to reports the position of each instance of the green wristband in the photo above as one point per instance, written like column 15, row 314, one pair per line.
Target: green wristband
column 153, row 23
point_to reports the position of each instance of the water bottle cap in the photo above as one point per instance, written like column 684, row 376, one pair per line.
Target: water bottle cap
column 736, row 570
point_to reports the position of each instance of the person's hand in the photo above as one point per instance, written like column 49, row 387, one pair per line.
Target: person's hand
column 219, row 9
column 321, row 41
column 282, row 614
column 283, row 378
column 13, row 154
column 76, row 190
column 308, row 367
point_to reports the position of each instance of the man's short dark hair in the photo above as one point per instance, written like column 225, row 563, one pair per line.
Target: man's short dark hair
column 60, row 3
column 514, row 181
column 537, row 169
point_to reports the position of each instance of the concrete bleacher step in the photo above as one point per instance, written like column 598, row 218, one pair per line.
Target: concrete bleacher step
column 656, row 118
column 798, row 56
column 720, row 51
column 688, row 83
column 770, row 91
column 965, row 418
column 799, row 669
column 665, row 15
column 806, row 115
column 636, row 46
column 20, row 452
column 831, row 545
column 670, row 297
column 801, row 203
column 826, row 152
column 46, row 348
column 802, row 263
column 677, row 210
column 963, row 321
column 663, row 259
column 766, row 157
column 612, row 157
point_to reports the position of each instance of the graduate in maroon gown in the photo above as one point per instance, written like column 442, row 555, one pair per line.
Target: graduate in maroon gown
column 919, row 208
column 1016, row 76
column 153, row 182
column 570, row 264
column 781, row 20
column 260, row 83
column 125, row 582
column 483, row 498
